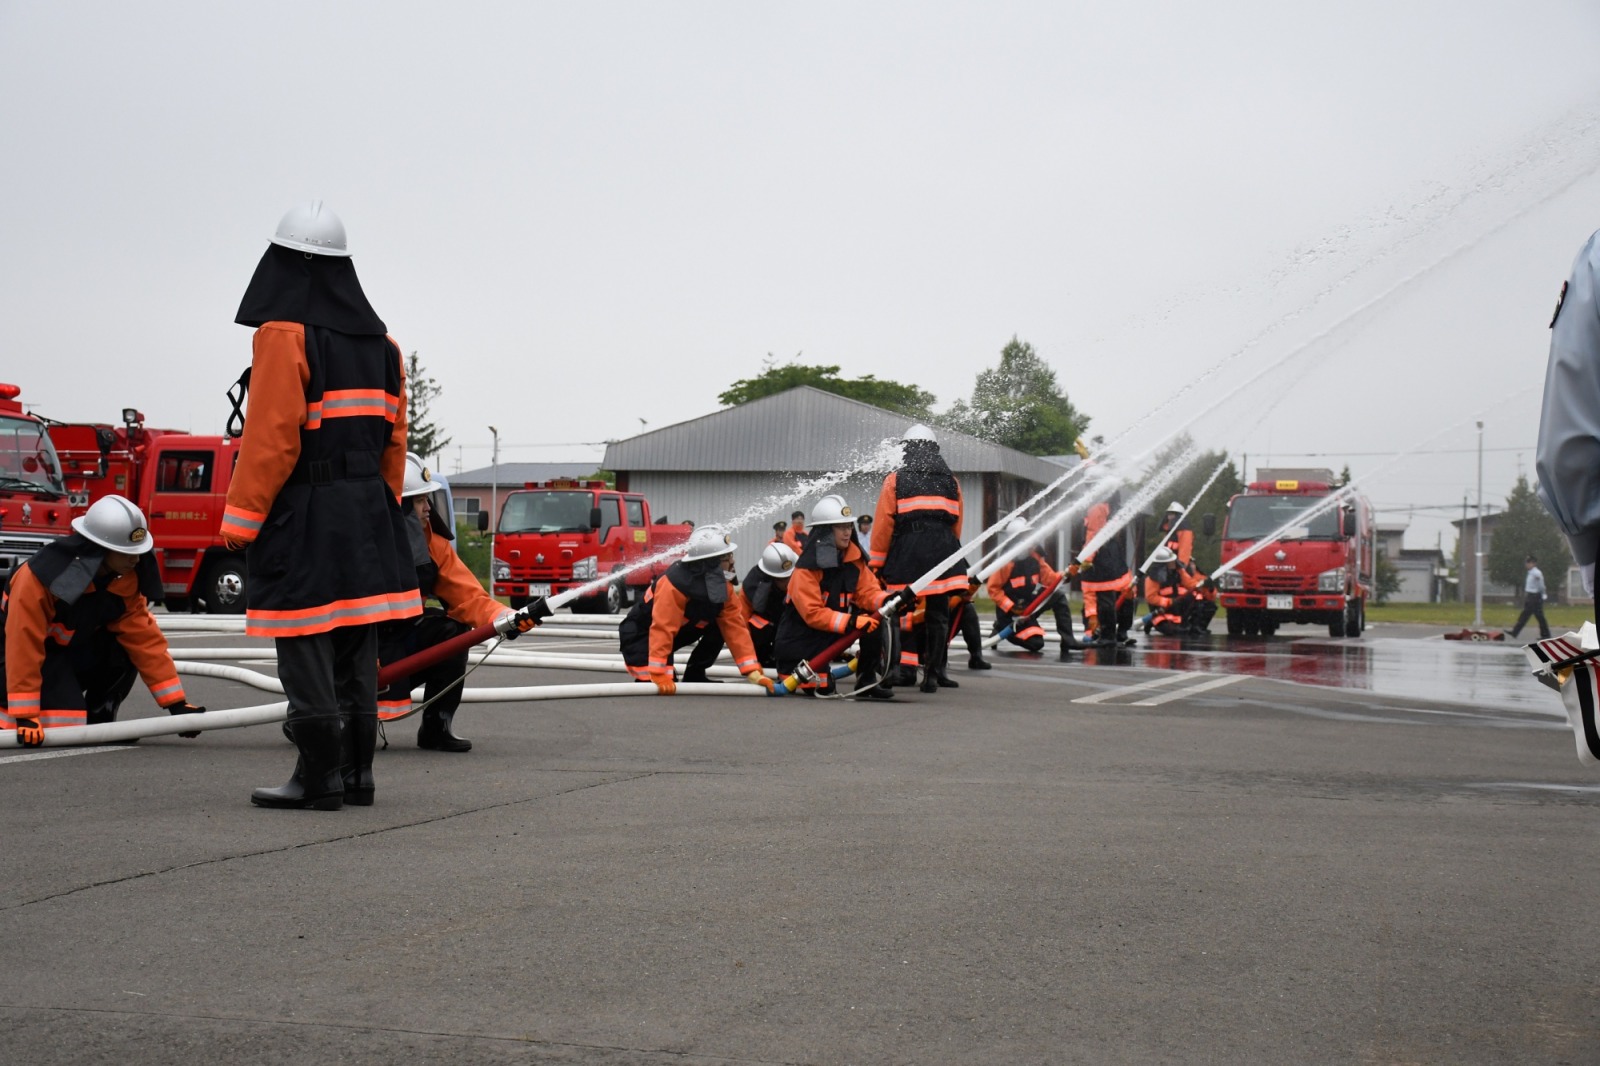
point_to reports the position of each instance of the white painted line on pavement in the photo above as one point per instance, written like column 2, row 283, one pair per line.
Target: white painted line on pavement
column 1142, row 686
column 62, row 753
column 1165, row 697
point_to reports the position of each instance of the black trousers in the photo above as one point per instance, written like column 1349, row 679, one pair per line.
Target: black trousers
column 93, row 672
column 1059, row 608
column 1532, row 607
column 400, row 639
column 330, row 675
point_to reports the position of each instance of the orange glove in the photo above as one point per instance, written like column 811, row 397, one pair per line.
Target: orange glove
column 756, row 677
column 30, row 734
column 664, row 684
column 866, row 622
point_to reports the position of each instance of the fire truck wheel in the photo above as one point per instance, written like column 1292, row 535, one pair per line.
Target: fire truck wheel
column 1235, row 623
column 224, row 586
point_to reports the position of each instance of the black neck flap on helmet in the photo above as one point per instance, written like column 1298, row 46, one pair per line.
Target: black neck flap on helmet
column 314, row 290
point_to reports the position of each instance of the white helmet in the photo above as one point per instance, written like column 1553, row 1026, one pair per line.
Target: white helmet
column 831, row 510
column 918, row 432
column 312, row 228
column 708, row 542
column 1163, row 555
column 1176, row 508
column 1017, row 525
column 116, row 523
column 418, row 480
column 777, row 559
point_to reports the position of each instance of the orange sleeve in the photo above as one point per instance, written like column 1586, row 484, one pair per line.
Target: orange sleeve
column 1153, row 594
column 870, row 592
column 393, row 462
column 795, row 543
column 1185, row 545
column 997, row 588
column 883, row 522
column 461, row 593
column 735, row 627
column 805, row 592
column 666, row 619
column 1048, row 574
column 271, row 442
column 29, row 608
column 141, row 638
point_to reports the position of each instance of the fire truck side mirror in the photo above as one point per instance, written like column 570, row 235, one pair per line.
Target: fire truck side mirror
column 483, row 521
column 594, row 518
column 1349, row 518
column 1208, row 524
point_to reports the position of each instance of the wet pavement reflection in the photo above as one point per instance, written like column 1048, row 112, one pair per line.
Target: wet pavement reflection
column 1486, row 675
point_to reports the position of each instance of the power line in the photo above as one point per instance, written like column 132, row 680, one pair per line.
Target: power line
column 1421, row 451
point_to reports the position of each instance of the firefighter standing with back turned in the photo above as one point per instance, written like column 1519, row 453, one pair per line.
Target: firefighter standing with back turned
column 917, row 526
column 316, row 496
column 78, row 628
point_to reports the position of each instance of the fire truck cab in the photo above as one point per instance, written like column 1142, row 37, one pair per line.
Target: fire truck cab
column 34, row 509
column 1321, row 571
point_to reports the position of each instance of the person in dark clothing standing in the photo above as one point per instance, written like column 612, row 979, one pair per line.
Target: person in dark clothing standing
column 315, row 497
column 764, row 592
column 1533, row 594
column 917, row 525
column 1015, row 586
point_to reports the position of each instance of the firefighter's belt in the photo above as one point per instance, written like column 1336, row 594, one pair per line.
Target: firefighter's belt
column 915, row 523
column 350, row 466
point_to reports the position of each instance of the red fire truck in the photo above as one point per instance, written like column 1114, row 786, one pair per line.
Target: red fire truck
column 34, row 508
column 556, row 535
column 180, row 481
column 1321, row 571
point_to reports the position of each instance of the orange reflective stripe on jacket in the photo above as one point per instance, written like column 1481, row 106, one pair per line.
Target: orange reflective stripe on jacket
column 912, row 504
column 383, row 607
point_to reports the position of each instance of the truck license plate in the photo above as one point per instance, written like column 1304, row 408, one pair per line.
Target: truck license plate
column 1280, row 603
column 538, row 590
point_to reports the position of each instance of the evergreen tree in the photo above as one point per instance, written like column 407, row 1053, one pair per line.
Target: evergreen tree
column 1524, row 529
column 1207, row 550
column 907, row 400
column 1019, row 404
column 422, row 436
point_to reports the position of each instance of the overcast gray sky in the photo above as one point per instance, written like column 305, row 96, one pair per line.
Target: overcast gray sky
column 584, row 215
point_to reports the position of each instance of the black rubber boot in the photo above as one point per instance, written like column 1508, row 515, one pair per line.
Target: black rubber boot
column 360, row 741
column 318, row 779
column 866, row 685
column 978, row 662
column 942, row 679
column 436, row 734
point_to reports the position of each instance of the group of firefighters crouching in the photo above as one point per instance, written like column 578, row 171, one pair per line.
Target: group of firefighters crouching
column 815, row 589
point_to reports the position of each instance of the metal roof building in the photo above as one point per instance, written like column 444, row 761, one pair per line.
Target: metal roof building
column 749, row 466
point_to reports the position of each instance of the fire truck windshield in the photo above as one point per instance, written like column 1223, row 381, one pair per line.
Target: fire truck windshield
column 1254, row 517
column 547, row 512
column 28, row 460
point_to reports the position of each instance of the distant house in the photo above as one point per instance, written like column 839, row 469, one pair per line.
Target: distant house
column 475, row 490
column 1424, row 572
column 1466, row 538
column 724, row 466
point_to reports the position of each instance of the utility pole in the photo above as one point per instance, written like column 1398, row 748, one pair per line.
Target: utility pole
column 494, row 501
column 1477, row 576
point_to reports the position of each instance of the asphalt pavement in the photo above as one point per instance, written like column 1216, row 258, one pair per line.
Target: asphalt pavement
column 1150, row 859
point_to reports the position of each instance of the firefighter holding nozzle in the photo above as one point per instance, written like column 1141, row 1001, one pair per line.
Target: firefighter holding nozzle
column 1014, row 586
column 832, row 593
column 765, row 591
column 78, row 628
column 441, row 575
column 692, row 603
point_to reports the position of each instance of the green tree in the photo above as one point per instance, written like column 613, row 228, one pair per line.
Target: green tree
column 907, row 400
column 1524, row 529
column 425, row 438
column 1019, row 404
column 1388, row 578
column 1182, row 489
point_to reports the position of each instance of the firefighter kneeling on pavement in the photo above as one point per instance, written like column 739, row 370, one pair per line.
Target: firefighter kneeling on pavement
column 692, row 603
column 832, row 593
column 765, row 591
column 78, row 627
column 1015, row 586
column 441, row 575
column 1172, row 602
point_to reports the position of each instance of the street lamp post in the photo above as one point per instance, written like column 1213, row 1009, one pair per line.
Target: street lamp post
column 494, row 500
column 1477, row 578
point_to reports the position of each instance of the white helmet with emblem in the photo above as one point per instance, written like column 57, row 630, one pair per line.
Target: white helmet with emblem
column 1176, row 508
column 115, row 523
column 312, row 228
column 418, row 479
column 918, row 432
column 777, row 559
column 831, row 510
column 708, row 542
column 1163, row 555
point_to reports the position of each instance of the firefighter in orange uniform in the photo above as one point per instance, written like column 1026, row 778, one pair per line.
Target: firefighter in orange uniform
column 443, row 576
column 1014, row 586
column 764, row 592
column 795, row 535
column 917, row 525
column 692, row 603
column 833, row 593
column 1180, row 538
column 1108, row 592
column 1176, row 534
column 316, row 497
column 1171, row 602
column 78, row 628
